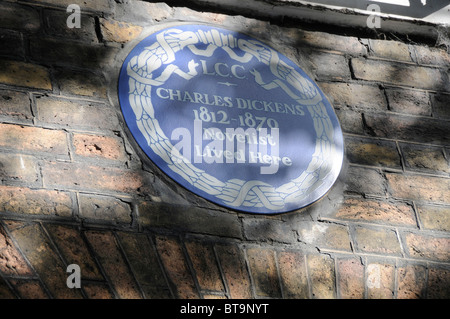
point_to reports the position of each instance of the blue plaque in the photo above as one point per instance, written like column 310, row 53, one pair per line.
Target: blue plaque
column 230, row 119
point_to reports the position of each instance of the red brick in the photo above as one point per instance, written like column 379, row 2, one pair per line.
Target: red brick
column 97, row 291
column 322, row 276
column 24, row 18
column 440, row 103
column 29, row 289
column 293, row 275
column 380, row 281
column 377, row 241
column 21, row 200
column 438, row 283
column 74, row 249
column 419, row 187
column 264, row 272
column 5, row 291
column 350, row 278
column 205, row 266
column 379, row 212
column 38, row 249
column 15, row 105
column 105, row 246
column 85, row 177
column 76, row 114
column 428, row 247
column 25, row 74
column 95, row 146
column 11, row 260
column 411, row 282
column 400, row 74
column 33, row 139
column 176, row 267
column 234, row 270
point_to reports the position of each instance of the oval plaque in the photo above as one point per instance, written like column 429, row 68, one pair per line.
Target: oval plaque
column 230, row 119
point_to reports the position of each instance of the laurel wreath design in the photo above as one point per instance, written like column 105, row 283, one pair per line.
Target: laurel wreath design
column 234, row 192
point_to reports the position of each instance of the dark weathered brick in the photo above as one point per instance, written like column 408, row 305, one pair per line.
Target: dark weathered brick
column 29, row 289
column 235, row 274
column 55, row 23
column 176, row 267
column 19, row 17
column 144, row 262
column 205, row 265
column 438, row 286
column 190, row 219
column 263, row 229
column 24, row 74
column 409, row 101
column 264, row 272
column 365, row 181
column 15, row 105
column 426, row 159
column 113, row 263
column 372, row 152
column 64, row 53
column 408, row 128
column 440, row 103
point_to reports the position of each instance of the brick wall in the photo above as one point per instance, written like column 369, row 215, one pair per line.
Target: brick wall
column 73, row 190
